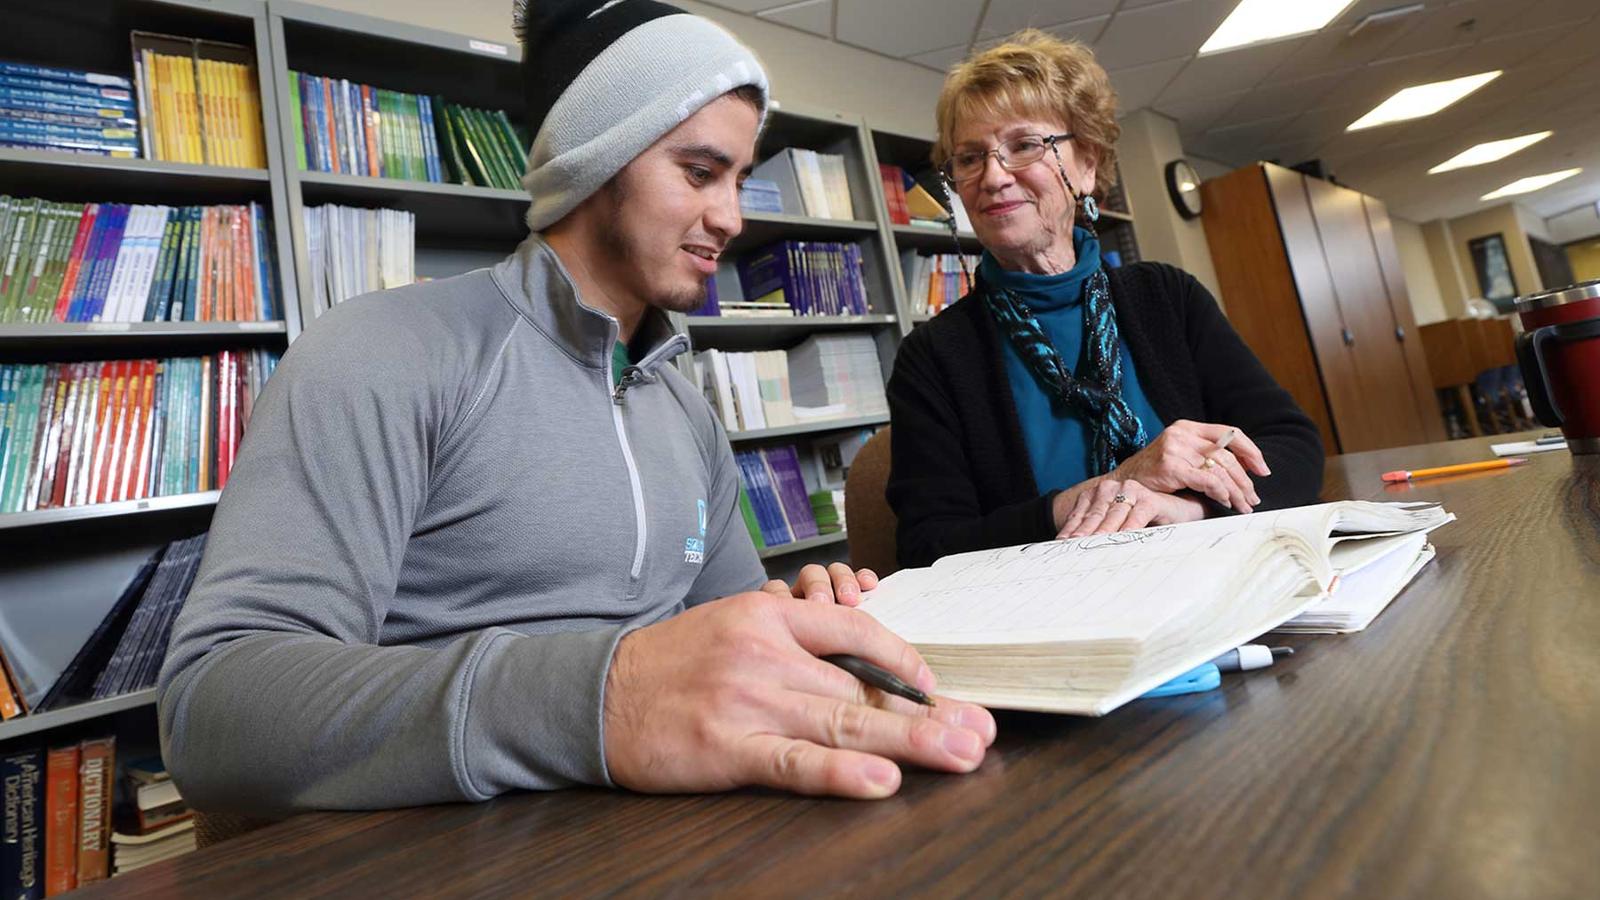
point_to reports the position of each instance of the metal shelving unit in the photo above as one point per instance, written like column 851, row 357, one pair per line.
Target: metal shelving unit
column 804, row 545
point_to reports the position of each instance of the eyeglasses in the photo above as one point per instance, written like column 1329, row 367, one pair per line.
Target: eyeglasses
column 1017, row 153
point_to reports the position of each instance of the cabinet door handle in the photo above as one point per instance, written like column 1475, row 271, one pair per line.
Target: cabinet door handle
column 1349, row 337
column 1400, row 332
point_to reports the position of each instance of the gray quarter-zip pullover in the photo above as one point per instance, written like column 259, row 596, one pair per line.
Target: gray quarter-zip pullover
column 443, row 518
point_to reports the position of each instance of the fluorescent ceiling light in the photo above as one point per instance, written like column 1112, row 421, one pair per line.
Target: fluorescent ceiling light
column 1489, row 151
column 1530, row 184
column 1422, row 100
column 1257, row 21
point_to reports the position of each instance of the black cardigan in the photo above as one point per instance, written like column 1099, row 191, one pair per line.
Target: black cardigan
column 960, row 478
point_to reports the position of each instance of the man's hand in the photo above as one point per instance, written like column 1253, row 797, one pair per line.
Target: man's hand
column 1114, row 505
column 732, row 693
column 1185, row 457
column 826, row 585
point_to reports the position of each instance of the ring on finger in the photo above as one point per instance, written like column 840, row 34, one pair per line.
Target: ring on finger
column 1120, row 498
column 1209, row 463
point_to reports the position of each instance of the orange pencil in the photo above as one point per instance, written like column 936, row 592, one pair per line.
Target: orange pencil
column 1403, row 475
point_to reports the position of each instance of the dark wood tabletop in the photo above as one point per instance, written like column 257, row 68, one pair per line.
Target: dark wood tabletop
column 1451, row 750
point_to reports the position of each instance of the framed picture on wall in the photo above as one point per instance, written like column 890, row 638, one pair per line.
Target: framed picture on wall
column 1493, row 266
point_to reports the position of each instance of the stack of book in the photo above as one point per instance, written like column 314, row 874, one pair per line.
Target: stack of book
column 760, row 195
column 934, row 281
column 809, row 183
column 774, row 499
column 112, row 262
column 158, row 824
column 95, row 432
column 45, row 108
column 827, row 507
column 910, row 201
column 481, row 146
column 96, row 648
column 57, row 817
column 341, row 126
column 196, row 104
column 356, row 251
column 801, row 278
column 751, row 390
column 838, row 371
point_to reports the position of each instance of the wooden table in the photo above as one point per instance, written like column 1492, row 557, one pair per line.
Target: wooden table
column 1452, row 750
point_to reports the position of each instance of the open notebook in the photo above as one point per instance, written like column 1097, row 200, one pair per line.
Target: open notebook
column 1085, row 625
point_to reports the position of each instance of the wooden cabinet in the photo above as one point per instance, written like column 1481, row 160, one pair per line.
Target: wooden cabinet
column 1311, row 279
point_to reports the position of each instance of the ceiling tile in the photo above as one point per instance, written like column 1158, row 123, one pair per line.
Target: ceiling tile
column 1333, row 49
column 1137, row 86
column 902, row 28
column 1558, row 12
column 942, row 60
column 1226, row 73
column 1275, row 98
column 1162, row 31
column 815, row 16
column 1502, row 52
column 1456, row 25
column 1198, row 113
column 1579, row 42
column 1005, row 17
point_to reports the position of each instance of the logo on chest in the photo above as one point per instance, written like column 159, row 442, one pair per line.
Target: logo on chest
column 694, row 548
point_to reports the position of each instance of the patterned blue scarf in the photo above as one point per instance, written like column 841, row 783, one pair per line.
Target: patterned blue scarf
column 1097, row 396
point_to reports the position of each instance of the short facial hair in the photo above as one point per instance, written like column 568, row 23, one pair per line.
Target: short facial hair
column 614, row 236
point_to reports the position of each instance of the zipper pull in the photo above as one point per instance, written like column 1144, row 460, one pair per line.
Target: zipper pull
column 631, row 376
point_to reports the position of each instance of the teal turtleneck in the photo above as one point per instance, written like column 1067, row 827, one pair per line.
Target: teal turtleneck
column 1058, row 440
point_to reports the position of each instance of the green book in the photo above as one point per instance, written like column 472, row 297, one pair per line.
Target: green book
column 18, row 251
column 385, row 133
column 750, row 523
column 513, row 144
column 419, row 151
column 161, row 285
column 21, row 452
column 489, row 148
column 449, row 150
column 469, row 153
column 56, row 270
column 299, row 120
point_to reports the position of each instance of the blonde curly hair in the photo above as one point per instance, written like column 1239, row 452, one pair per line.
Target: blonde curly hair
column 1035, row 75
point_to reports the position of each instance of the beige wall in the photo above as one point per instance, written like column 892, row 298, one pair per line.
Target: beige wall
column 806, row 71
column 1427, row 304
column 1149, row 142
column 1503, row 220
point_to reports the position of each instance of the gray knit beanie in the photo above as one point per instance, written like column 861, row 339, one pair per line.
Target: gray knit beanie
column 605, row 79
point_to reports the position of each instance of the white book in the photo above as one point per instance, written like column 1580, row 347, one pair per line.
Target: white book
column 1087, row 624
column 838, row 183
column 748, row 387
column 139, row 290
column 111, row 309
column 812, row 187
column 722, row 388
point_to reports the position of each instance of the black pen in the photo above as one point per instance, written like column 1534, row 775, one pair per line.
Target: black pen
column 880, row 678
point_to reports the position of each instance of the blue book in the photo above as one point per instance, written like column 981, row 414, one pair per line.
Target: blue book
column 430, row 144
column 58, row 101
column 83, row 119
column 769, row 275
column 317, row 126
column 358, row 127
column 50, row 73
column 116, row 96
column 86, row 265
column 112, row 136
column 789, row 484
column 764, row 497
column 107, row 262
column 22, row 865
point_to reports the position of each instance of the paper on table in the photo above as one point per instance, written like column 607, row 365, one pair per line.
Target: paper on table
column 1517, row 448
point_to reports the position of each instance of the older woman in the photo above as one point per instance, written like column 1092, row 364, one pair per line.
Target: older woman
column 1061, row 397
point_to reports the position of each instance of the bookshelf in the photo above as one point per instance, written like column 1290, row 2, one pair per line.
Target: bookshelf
column 458, row 227
column 62, row 568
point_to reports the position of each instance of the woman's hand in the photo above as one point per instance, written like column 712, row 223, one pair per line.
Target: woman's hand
column 1112, row 504
column 1185, row 457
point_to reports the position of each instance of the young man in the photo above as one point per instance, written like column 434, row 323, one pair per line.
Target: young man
column 466, row 549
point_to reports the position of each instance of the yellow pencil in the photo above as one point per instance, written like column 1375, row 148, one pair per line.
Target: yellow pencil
column 1404, row 475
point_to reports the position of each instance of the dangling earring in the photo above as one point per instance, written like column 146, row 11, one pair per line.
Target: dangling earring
column 1091, row 209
